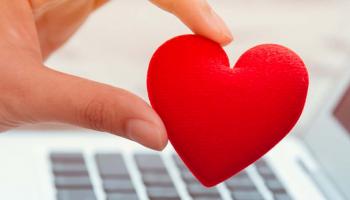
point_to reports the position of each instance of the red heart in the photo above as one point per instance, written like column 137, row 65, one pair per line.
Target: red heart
column 219, row 119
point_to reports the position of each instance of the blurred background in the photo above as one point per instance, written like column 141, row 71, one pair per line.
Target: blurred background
column 116, row 43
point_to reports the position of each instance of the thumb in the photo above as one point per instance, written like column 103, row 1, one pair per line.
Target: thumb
column 69, row 99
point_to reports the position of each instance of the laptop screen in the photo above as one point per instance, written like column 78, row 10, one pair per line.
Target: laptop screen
column 329, row 137
column 342, row 111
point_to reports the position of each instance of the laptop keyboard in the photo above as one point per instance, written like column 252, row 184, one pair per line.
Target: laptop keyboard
column 154, row 177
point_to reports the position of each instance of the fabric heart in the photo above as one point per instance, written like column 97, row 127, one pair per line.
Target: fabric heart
column 221, row 119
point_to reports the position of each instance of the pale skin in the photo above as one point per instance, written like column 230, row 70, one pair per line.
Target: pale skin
column 30, row 92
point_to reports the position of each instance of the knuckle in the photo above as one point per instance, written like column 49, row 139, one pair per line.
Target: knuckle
column 96, row 115
column 10, row 115
column 7, row 122
column 204, row 5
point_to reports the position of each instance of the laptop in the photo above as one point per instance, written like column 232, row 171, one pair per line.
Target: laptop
column 76, row 164
column 55, row 162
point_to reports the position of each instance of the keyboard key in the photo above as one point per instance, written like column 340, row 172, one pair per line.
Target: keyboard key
column 157, row 179
column 122, row 196
column 206, row 198
column 149, row 162
column 111, row 166
column 281, row 196
column 246, row 195
column 67, row 157
column 197, row 190
column 275, row 185
column 266, row 172
column 75, row 195
column 69, row 169
column 240, row 183
column 242, row 187
column 179, row 163
column 188, row 177
column 264, row 169
column 241, row 174
column 271, row 181
column 261, row 162
column 162, row 193
column 62, row 182
column 118, row 185
column 159, row 185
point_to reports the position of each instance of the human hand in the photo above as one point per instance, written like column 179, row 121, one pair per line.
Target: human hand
column 31, row 92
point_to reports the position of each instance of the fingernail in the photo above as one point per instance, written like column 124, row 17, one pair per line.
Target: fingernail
column 146, row 133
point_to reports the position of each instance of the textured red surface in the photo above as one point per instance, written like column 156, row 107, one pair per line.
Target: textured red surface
column 220, row 119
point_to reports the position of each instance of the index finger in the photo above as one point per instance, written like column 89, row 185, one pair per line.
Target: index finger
column 199, row 17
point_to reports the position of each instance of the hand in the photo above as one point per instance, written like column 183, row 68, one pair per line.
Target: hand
column 31, row 92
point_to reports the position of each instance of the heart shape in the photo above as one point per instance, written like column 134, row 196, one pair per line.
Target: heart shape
column 221, row 119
